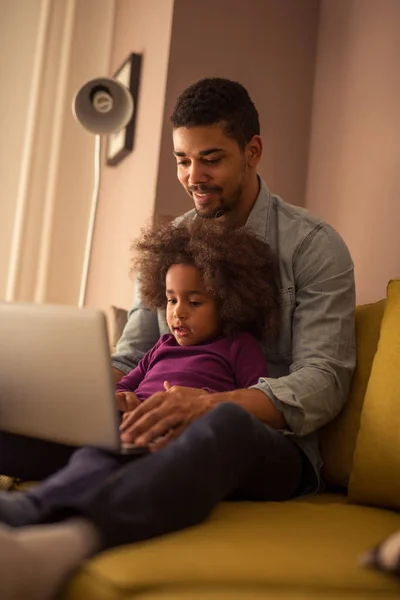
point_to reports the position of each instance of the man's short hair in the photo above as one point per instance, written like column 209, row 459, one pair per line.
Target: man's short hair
column 215, row 101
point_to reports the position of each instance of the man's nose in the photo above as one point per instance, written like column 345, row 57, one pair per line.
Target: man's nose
column 197, row 174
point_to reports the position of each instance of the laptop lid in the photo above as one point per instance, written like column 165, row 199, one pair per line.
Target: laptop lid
column 56, row 381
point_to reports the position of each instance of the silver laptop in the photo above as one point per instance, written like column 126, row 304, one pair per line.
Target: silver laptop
column 56, row 381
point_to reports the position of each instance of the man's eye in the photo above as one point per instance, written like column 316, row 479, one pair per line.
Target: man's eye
column 211, row 161
column 182, row 163
column 171, row 300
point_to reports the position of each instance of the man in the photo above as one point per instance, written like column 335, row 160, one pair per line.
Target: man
column 255, row 444
column 217, row 147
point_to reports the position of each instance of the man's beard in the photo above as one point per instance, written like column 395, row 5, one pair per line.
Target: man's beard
column 224, row 206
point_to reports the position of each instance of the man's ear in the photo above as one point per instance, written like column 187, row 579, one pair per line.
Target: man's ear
column 254, row 151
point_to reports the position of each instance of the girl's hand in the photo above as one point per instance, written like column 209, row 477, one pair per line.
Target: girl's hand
column 126, row 401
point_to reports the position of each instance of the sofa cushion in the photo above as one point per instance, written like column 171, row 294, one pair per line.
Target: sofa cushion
column 292, row 549
column 375, row 477
column 338, row 439
column 232, row 593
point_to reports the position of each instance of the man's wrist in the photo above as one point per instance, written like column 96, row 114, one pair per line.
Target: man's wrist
column 251, row 399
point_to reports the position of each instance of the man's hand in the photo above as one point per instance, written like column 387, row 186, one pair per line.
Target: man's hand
column 164, row 414
column 126, row 401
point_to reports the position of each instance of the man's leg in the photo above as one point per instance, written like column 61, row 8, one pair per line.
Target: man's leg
column 225, row 454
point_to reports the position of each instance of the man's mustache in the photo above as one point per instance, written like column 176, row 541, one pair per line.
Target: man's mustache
column 203, row 189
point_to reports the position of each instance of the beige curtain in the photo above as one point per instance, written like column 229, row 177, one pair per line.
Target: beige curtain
column 51, row 47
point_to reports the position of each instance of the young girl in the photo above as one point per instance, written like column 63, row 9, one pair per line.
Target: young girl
column 220, row 290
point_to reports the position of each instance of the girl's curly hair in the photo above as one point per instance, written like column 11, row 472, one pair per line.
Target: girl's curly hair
column 238, row 269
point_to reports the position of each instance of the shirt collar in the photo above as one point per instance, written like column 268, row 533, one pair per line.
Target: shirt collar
column 259, row 217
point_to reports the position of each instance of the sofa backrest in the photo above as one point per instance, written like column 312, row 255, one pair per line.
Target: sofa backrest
column 338, row 439
column 375, row 471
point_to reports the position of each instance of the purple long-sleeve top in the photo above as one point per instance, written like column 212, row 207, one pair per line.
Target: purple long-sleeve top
column 222, row 365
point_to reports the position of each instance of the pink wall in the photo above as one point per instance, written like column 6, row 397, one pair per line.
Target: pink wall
column 354, row 172
column 347, row 170
column 270, row 47
column 127, row 191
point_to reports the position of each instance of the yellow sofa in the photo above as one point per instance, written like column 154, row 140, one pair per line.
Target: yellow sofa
column 305, row 549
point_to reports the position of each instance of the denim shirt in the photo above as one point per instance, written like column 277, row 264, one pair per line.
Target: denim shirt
column 312, row 361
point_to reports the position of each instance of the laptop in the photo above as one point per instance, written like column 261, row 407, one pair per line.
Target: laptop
column 56, row 381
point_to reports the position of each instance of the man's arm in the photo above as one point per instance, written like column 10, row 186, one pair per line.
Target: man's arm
column 140, row 334
column 254, row 401
column 171, row 412
column 323, row 346
column 249, row 365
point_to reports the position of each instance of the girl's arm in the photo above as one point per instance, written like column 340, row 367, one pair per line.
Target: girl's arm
column 131, row 381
